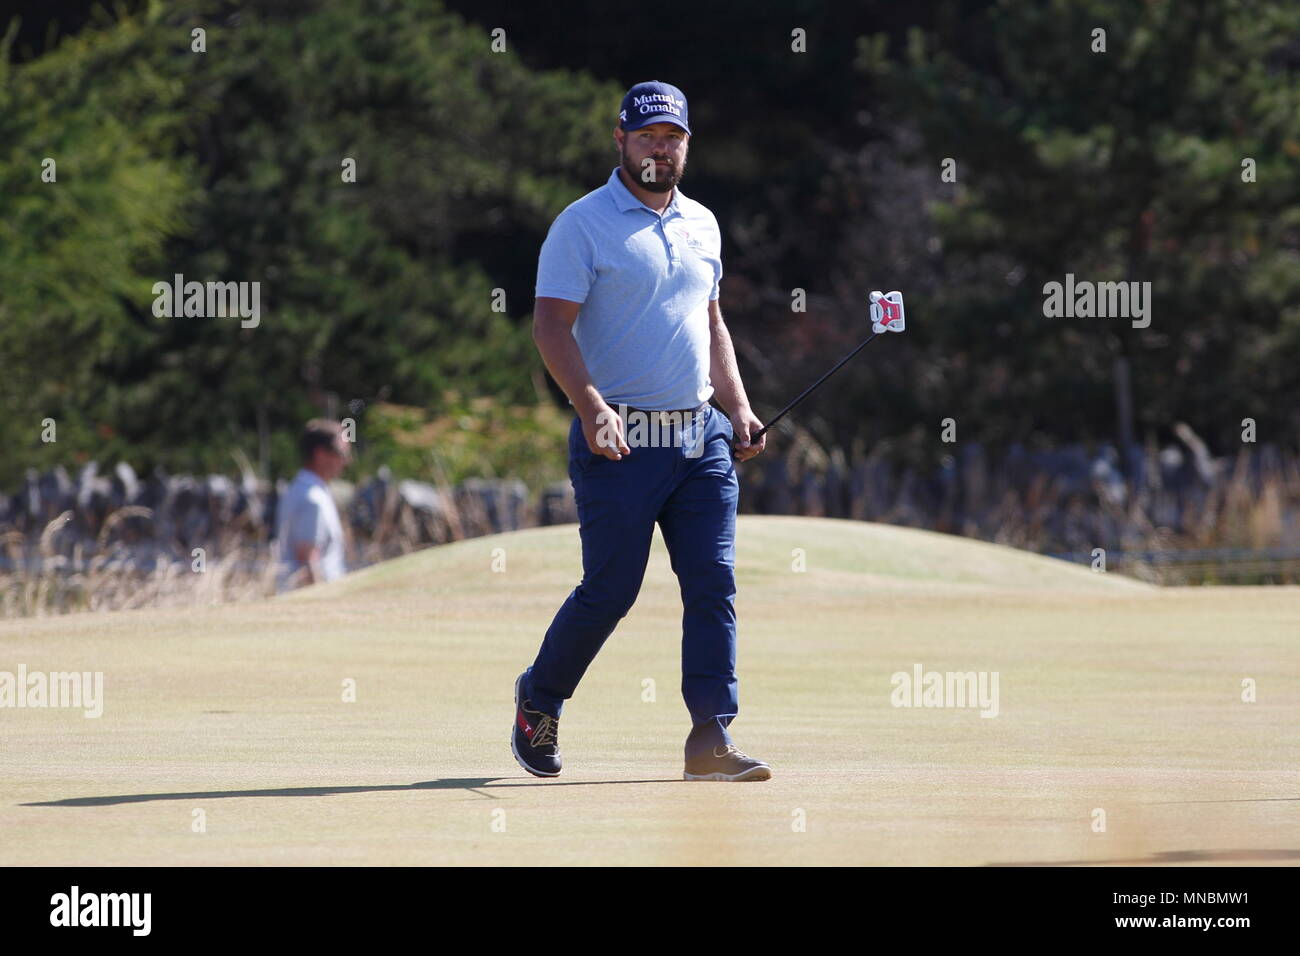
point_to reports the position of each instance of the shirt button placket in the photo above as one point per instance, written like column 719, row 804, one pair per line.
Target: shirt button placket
column 672, row 249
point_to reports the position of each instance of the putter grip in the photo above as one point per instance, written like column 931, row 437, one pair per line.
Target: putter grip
column 753, row 437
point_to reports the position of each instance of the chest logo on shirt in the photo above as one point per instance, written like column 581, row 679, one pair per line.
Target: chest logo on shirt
column 690, row 241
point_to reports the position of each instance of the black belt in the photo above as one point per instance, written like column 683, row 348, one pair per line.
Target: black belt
column 655, row 415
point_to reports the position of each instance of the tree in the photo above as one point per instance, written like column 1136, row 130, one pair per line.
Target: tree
column 227, row 165
column 1118, row 165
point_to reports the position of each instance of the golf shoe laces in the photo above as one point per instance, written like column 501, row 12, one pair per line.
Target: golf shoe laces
column 545, row 733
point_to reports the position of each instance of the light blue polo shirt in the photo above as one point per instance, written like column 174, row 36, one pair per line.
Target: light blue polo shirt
column 645, row 284
column 307, row 514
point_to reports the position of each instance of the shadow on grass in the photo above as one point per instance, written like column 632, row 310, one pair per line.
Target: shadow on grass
column 1171, row 856
column 473, row 784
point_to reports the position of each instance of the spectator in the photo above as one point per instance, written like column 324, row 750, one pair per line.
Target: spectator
column 309, row 533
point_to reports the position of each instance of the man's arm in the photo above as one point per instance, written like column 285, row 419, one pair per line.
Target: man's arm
column 553, row 333
column 723, row 371
column 308, row 556
column 303, row 533
column 724, row 374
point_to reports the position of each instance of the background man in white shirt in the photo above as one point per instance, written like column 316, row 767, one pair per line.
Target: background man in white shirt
column 309, row 533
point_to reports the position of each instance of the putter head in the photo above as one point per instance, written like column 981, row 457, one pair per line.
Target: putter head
column 887, row 312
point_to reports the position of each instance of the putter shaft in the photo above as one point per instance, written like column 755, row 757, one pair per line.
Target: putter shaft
column 810, row 389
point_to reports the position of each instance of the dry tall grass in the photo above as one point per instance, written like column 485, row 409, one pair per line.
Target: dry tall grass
column 1254, row 512
column 110, row 580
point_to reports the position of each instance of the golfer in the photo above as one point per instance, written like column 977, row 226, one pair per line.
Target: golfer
column 628, row 323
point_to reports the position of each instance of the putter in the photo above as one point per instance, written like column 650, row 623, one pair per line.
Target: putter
column 886, row 316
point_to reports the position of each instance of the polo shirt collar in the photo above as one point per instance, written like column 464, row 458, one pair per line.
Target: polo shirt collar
column 624, row 199
column 310, row 477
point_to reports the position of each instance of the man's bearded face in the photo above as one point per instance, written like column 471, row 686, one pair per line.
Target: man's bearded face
column 664, row 144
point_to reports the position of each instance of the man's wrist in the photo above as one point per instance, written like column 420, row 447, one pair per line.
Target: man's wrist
column 589, row 402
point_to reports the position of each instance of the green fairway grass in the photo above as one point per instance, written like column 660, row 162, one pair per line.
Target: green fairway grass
column 1114, row 696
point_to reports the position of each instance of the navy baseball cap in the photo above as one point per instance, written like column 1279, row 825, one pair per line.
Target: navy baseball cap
column 653, row 102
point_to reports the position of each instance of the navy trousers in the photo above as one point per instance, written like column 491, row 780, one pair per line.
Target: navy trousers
column 688, row 485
